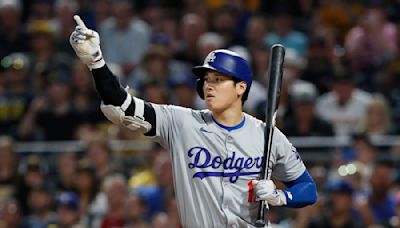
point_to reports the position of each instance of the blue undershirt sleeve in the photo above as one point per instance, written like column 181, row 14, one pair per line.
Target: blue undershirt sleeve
column 301, row 192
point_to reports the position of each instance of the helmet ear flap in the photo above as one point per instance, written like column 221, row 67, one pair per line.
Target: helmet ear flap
column 199, row 87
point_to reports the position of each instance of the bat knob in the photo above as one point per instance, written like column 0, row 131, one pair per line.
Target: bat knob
column 260, row 223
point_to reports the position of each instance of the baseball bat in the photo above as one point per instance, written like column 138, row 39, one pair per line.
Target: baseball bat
column 274, row 81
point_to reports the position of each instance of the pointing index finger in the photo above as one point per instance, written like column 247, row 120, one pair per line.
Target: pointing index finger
column 79, row 21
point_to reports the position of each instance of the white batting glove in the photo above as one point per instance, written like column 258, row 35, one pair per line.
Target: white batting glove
column 86, row 44
column 266, row 190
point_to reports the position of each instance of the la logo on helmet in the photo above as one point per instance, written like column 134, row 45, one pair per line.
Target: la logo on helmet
column 210, row 57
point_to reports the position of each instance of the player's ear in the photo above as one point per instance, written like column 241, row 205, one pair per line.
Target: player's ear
column 241, row 87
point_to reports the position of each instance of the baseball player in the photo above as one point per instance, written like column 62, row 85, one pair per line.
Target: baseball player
column 216, row 153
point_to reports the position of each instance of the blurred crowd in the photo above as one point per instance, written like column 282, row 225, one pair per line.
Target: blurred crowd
column 340, row 79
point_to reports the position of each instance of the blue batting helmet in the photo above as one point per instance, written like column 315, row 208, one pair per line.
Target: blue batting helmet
column 226, row 62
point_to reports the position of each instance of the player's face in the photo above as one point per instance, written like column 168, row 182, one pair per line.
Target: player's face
column 220, row 91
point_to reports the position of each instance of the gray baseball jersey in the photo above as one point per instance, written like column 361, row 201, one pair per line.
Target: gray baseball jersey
column 212, row 166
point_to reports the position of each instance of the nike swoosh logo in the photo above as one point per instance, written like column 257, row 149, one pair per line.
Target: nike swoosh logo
column 202, row 129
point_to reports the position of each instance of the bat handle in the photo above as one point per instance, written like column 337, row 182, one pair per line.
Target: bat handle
column 260, row 222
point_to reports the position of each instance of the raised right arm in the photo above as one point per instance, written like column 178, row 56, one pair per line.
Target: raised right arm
column 118, row 105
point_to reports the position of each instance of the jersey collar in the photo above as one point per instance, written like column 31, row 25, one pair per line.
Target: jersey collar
column 229, row 128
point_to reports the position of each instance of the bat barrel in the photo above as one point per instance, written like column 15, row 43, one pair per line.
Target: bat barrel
column 275, row 73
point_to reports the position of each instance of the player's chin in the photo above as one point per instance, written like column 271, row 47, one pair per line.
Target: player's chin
column 211, row 104
column 214, row 107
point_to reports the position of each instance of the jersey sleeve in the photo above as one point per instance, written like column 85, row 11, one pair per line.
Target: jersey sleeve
column 170, row 120
column 288, row 164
